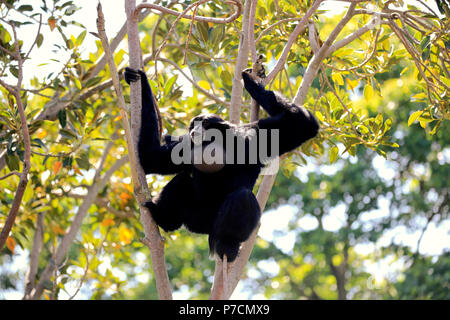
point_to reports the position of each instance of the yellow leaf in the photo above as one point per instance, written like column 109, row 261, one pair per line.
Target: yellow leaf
column 42, row 134
column 333, row 154
column 10, row 244
column 368, row 92
column 319, row 116
column 125, row 235
column 351, row 83
column 413, row 117
column 423, row 124
column 46, row 296
column 337, row 78
column 56, row 167
column 419, row 96
column 204, row 84
column 77, row 83
column 117, row 118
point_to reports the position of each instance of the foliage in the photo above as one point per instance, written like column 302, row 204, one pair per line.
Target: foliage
column 364, row 111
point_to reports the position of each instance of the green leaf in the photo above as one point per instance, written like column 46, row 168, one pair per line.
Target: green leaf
column 81, row 37
column 92, row 82
column 25, row 7
column 413, row 117
column 67, row 162
column 169, row 85
column 14, row 71
column 67, row 133
column 39, row 40
column 83, row 161
column 62, row 117
column 12, row 161
column 77, row 83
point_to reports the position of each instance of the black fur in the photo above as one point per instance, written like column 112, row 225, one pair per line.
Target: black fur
column 220, row 204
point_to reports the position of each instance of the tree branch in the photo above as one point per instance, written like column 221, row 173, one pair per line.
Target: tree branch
column 231, row 18
column 35, row 253
column 241, row 63
column 153, row 238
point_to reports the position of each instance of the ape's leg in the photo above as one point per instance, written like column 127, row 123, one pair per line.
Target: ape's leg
column 169, row 207
column 236, row 220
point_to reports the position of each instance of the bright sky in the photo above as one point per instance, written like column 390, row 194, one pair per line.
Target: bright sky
column 434, row 241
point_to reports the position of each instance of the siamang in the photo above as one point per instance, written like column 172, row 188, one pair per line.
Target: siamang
column 216, row 198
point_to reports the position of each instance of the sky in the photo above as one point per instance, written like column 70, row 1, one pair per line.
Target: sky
column 434, row 240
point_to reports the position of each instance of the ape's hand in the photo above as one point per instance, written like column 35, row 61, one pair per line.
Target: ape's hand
column 132, row 75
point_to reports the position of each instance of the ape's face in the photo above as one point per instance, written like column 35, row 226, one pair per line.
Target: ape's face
column 200, row 124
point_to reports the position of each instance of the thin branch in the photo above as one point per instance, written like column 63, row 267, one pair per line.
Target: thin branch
column 266, row 30
column 241, row 63
column 189, row 35
column 12, row 173
column 251, row 30
column 231, row 18
column 114, row 44
column 34, row 255
column 86, row 269
column 12, row 54
column 8, row 87
column 36, row 38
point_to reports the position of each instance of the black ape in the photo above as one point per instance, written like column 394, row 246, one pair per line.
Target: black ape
column 219, row 202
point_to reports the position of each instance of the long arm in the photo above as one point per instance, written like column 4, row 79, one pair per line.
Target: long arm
column 295, row 124
column 153, row 156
